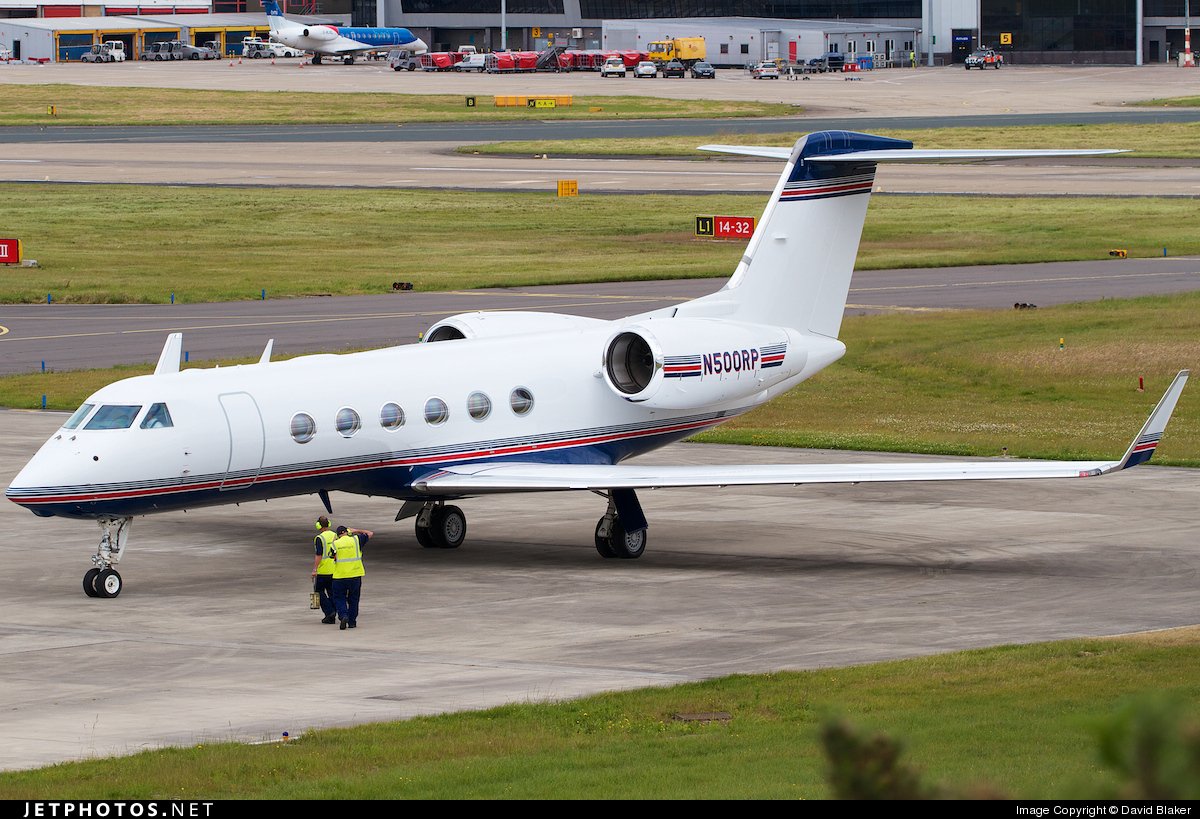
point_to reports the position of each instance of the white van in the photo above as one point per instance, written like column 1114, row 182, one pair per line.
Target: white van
column 472, row 62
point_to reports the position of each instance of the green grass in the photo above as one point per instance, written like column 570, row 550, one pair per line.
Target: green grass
column 1020, row 720
column 1173, row 140
column 214, row 244
column 88, row 105
column 972, row 383
column 1171, row 102
column 954, row 383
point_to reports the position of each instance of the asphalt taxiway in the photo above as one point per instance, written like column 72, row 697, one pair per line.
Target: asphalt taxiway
column 212, row 638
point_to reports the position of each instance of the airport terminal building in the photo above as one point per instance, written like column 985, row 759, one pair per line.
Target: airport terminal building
column 940, row 31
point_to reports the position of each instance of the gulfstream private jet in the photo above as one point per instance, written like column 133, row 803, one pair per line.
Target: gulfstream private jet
column 515, row 402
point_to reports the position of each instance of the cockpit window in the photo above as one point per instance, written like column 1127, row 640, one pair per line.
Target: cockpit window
column 77, row 417
column 114, row 416
column 157, row 417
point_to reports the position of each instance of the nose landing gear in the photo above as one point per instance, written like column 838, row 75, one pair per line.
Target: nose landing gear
column 104, row 580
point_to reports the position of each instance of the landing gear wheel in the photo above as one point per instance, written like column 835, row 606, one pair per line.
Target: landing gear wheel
column 108, row 583
column 89, row 582
column 602, row 542
column 424, row 538
column 626, row 545
column 448, row 526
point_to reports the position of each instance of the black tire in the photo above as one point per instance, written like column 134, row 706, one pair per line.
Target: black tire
column 448, row 526
column 108, row 583
column 89, row 582
column 193, row 56
column 158, row 58
column 602, row 542
column 257, row 55
column 625, row 545
column 412, row 68
column 424, row 537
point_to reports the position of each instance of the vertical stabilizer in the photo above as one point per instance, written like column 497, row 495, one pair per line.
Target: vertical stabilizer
column 275, row 18
column 797, row 267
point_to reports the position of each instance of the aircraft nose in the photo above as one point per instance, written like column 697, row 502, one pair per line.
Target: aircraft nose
column 419, row 46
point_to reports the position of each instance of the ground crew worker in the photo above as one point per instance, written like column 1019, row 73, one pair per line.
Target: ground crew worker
column 348, row 573
column 322, row 573
column 912, row 58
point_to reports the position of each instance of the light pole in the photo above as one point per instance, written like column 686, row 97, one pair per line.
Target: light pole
column 1187, row 33
column 503, row 25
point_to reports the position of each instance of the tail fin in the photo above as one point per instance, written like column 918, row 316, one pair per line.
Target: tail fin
column 275, row 18
column 797, row 267
column 1146, row 442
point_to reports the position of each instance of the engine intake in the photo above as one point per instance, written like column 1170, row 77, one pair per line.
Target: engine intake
column 691, row 362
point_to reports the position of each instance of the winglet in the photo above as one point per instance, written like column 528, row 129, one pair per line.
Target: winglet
column 1143, row 445
column 265, row 358
column 168, row 359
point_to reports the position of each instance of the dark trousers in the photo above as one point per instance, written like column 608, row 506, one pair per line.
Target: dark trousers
column 346, row 592
column 323, row 586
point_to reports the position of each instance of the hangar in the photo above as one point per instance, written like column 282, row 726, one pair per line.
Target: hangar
column 63, row 39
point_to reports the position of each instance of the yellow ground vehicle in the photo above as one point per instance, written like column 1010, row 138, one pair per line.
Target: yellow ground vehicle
column 688, row 50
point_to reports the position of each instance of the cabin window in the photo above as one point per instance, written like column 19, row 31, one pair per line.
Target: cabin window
column 521, row 401
column 479, row 406
column 303, row 428
column 114, row 416
column 436, row 411
column 77, row 417
column 391, row 416
column 347, row 422
column 157, row 417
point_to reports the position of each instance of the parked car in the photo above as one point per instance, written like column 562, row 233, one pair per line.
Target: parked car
column 674, row 69
column 984, row 58
column 472, row 62
column 703, row 71
column 614, row 67
column 645, row 69
column 765, row 71
column 199, row 52
column 287, row 51
column 833, row 61
column 401, row 59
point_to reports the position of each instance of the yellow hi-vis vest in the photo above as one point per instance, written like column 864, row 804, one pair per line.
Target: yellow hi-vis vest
column 348, row 559
column 327, row 538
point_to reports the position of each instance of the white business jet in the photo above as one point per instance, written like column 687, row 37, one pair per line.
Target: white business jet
column 344, row 42
column 514, row 402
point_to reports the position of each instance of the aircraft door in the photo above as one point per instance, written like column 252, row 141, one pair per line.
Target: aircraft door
column 247, row 440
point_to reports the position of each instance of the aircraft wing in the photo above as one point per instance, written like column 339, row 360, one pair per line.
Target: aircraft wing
column 914, row 154
column 509, row 476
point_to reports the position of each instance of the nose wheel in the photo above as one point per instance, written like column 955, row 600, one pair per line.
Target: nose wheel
column 103, row 580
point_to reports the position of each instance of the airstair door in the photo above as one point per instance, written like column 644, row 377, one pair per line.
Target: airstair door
column 247, row 440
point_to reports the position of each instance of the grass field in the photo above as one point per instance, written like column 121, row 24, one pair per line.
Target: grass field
column 1172, row 102
column 87, row 105
column 215, row 244
column 1018, row 721
column 1162, row 140
column 956, row 383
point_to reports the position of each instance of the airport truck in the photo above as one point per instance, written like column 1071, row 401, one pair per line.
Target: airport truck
column 110, row 51
column 688, row 50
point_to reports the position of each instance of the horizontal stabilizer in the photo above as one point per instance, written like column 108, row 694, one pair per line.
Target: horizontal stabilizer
column 913, row 154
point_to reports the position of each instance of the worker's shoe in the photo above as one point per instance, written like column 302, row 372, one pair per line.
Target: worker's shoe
column 354, row 625
column 342, row 625
column 328, row 619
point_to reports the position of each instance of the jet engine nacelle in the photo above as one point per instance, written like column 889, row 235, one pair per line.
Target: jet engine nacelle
column 693, row 362
column 490, row 325
column 321, row 33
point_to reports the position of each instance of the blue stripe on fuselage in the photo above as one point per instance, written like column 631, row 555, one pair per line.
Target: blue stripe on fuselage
column 392, row 482
column 378, row 36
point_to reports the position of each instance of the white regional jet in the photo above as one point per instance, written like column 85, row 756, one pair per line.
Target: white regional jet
column 338, row 41
column 514, row 402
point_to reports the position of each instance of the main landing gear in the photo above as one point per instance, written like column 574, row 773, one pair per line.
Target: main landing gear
column 621, row 533
column 104, row 580
column 438, row 526
column 613, row 538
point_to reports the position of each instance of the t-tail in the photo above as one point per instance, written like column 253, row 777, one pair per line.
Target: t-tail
column 275, row 18
column 797, row 267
